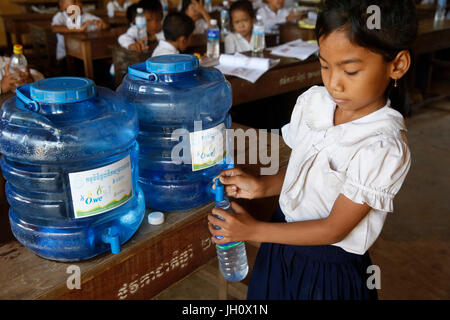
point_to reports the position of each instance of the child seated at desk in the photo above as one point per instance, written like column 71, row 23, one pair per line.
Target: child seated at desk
column 117, row 8
column 154, row 13
column 195, row 10
column 63, row 23
column 273, row 13
column 242, row 19
column 178, row 29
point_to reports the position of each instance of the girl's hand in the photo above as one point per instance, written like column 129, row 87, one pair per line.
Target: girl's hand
column 11, row 81
column 238, row 226
column 138, row 46
column 239, row 184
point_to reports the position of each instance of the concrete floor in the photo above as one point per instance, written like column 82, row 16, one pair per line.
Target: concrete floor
column 413, row 248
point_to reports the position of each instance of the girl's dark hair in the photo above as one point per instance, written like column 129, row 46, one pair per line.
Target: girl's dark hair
column 243, row 5
column 153, row 6
column 397, row 33
column 131, row 12
column 184, row 5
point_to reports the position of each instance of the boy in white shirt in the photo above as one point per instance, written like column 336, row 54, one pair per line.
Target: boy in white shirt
column 178, row 29
column 195, row 10
column 242, row 19
column 273, row 13
column 154, row 14
column 117, row 8
column 63, row 23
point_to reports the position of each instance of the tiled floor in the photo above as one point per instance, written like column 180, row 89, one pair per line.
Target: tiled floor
column 413, row 248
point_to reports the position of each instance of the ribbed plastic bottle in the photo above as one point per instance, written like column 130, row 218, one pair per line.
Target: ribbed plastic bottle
column 232, row 255
column 70, row 158
column 183, row 112
column 258, row 35
column 213, row 40
column 141, row 25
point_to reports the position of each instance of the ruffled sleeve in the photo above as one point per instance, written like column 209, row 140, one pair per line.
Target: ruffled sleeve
column 376, row 173
column 290, row 130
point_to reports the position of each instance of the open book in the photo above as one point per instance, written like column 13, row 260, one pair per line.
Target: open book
column 242, row 66
column 298, row 49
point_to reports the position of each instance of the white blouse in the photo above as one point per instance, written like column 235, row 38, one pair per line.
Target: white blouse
column 366, row 160
column 235, row 42
column 270, row 18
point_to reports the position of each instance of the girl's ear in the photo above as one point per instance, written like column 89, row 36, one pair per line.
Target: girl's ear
column 400, row 65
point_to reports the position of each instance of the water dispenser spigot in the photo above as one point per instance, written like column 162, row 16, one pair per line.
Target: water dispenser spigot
column 112, row 237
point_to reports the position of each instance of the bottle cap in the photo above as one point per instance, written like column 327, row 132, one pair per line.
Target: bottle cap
column 63, row 90
column 258, row 17
column 140, row 10
column 220, row 190
column 156, row 218
column 172, row 63
column 213, row 22
column 18, row 49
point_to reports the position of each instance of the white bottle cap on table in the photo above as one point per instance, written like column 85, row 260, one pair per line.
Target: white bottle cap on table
column 156, row 218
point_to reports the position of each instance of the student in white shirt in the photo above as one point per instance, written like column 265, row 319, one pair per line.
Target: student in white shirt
column 195, row 10
column 273, row 13
column 63, row 23
column 242, row 19
column 177, row 28
column 154, row 14
column 349, row 159
column 117, row 8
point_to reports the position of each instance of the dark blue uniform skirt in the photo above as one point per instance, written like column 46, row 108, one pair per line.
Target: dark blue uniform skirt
column 287, row 272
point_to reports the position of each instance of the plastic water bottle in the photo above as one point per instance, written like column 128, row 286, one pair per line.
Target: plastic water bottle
column 439, row 16
column 141, row 25
column 208, row 5
column 213, row 38
column 259, row 41
column 18, row 61
column 165, row 7
column 232, row 255
column 225, row 20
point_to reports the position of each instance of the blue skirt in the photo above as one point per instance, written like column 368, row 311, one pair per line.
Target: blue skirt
column 288, row 272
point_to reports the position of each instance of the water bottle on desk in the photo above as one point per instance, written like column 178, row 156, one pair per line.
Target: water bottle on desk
column 232, row 255
column 141, row 25
column 439, row 16
column 165, row 7
column 18, row 61
column 225, row 20
column 213, row 45
column 208, row 6
column 258, row 36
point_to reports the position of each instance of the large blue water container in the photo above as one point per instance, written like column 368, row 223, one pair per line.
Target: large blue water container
column 70, row 158
column 183, row 113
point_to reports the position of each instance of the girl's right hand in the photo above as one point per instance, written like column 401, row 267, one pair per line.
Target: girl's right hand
column 239, row 184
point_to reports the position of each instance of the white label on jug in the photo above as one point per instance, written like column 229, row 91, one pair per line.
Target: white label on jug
column 207, row 147
column 100, row 190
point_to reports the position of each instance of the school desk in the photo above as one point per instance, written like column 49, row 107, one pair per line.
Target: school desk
column 154, row 258
column 90, row 46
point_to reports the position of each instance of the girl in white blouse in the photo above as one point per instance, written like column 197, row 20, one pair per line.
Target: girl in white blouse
column 242, row 19
column 349, row 159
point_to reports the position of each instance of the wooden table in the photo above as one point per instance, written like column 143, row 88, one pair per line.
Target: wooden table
column 288, row 75
column 91, row 46
column 155, row 257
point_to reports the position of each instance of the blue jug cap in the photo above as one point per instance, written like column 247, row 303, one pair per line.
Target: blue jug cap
column 62, row 90
column 172, row 63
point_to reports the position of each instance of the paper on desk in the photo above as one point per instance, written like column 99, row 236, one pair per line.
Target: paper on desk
column 298, row 49
column 242, row 66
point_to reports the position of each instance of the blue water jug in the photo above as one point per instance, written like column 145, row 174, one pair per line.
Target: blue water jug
column 183, row 113
column 70, row 158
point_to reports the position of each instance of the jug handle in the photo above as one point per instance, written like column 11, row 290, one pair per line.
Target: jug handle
column 145, row 75
column 29, row 104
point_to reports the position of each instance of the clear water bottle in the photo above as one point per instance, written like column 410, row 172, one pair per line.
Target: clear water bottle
column 259, row 41
column 208, row 5
column 165, row 7
column 213, row 38
column 225, row 20
column 440, row 11
column 232, row 255
column 18, row 61
column 141, row 25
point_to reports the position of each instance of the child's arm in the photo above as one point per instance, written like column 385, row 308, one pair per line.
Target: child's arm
column 241, row 226
column 201, row 9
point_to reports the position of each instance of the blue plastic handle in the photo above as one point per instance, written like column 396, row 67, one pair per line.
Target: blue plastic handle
column 29, row 104
column 143, row 74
